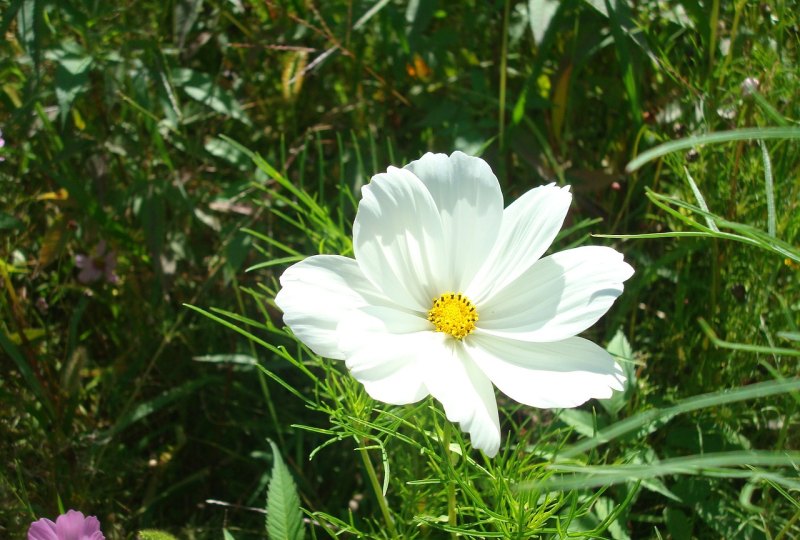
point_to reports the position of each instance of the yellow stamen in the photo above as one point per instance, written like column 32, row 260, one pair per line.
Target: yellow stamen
column 454, row 314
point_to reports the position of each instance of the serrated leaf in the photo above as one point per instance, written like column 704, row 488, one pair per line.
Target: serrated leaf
column 284, row 517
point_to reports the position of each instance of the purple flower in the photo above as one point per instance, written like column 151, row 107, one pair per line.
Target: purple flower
column 2, row 144
column 97, row 265
column 70, row 526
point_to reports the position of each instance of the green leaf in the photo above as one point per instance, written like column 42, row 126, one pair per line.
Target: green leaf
column 739, row 464
column 284, row 517
column 147, row 408
column 29, row 26
column 185, row 15
column 678, row 524
column 621, row 350
column 713, row 138
column 541, row 13
column 581, row 421
column 72, row 75
column 7, row 221
column 153, row 534
column 224, row 150
column 27, row 372
column 651, row 417
column 600, row 5
column 201, row 87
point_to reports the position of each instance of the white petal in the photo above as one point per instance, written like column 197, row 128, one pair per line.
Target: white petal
column 470, row 203
column 550, row 375
column 465, row 392
column 317, row 293
column 397, row 238
column 558, row 297
column 530, row 224
column 386, row 350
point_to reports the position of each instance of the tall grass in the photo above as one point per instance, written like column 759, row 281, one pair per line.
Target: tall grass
column 211, row 144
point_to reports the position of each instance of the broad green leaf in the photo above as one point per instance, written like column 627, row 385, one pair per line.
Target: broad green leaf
column 7, row 221
column 202, row 88
column 621, row 350
column 678, row 524
column 225, row 150
column 29, row 25
column 541, row 12
column 284, row 517
column 184, row 17
column 72, row 74
column 582, row 422
column 600, row 5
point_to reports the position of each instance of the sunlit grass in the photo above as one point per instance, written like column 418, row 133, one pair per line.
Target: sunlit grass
column 212, row 144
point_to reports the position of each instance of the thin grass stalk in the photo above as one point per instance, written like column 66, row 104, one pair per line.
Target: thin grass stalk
column 503, row 75
column 451, row 490
column 700, row 200
column 376, row 488
column 713, row 24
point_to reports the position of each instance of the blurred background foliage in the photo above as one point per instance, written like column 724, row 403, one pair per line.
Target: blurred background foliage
column 119, row 401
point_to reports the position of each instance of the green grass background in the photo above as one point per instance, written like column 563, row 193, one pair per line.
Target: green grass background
column 133, row 122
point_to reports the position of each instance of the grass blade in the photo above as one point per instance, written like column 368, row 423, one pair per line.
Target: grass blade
column 703, row 401
column 721, row 464
column 700, row 200
column 770, row 190
column 713, row 138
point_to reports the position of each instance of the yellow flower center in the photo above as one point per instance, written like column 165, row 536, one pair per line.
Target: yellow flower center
column 454, row 314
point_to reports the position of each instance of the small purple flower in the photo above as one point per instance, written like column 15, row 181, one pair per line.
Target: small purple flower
column 2, row 144
column 70, row 526
column 97, row 265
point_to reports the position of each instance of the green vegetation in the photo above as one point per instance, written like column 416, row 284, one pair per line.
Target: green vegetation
column 160, row 155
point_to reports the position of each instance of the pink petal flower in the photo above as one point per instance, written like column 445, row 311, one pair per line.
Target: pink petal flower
column 70, row 526
column 42, row 529
column 98, row 265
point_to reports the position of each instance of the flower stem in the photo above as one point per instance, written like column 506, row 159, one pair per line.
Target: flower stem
column 376, row 487
column 451, row 489
column 503, row 63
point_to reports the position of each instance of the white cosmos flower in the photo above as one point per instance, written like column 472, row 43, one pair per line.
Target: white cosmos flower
column 448, row 294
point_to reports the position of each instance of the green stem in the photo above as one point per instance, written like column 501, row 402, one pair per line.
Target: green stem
column 503, row 63
column 713, row 23
column 376, row 487
column 451, row 489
